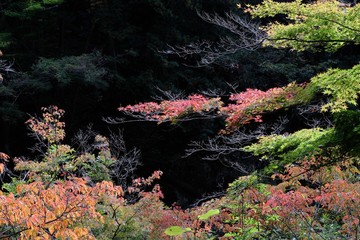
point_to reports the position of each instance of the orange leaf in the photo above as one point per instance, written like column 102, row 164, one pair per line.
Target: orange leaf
column 2, row 168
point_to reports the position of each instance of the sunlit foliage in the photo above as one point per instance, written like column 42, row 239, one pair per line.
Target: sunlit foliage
column 316, row 26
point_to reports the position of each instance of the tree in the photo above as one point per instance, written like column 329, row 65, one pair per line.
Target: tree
column 321, row 25
column 300, row 177
column 341, row 85
column 295, row 174
column 327, row 25
column 64, row 194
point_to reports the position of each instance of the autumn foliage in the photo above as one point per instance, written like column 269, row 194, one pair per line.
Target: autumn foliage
column 59, row 211
column 54, row 203
column 49, row 127
column 248, row 106
column 306, row 184
column 4, row 158
column 324, row 208
column 62, row 197
column 171, row 110
column 314, row 197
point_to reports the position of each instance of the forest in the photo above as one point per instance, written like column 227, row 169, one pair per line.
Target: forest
column 166, row 119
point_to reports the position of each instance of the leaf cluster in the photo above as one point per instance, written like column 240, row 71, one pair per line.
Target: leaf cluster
column 316, row 26
column 280, row 150
column 343, row 85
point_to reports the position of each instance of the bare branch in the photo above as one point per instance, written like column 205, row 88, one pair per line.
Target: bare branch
column 208, row 197
column 226, row 148
column 126, row 162
column 117, row 143
column 234, row 86
column 247, row 32
column 6, row 66
column 83, row 139
column 214, row 93
column 246, row 35
column 313, row 115
column 141, row 117
column 279, row 125
column 125, row 166
column 168, row 95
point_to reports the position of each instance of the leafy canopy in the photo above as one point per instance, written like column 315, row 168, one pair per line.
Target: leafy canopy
column 343, row 85
column 320, row 25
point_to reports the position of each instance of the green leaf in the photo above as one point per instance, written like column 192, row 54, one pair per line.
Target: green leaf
column 231, row 234
column 209, row 214
column 34, row 7
column 11, row 187
column 53, row 2
column 176, row 230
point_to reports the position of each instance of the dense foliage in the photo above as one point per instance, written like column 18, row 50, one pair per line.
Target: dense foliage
column 292, row 143
column 309, row 183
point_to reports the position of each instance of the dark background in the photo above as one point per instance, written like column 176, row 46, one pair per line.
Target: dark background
column 89, row 57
